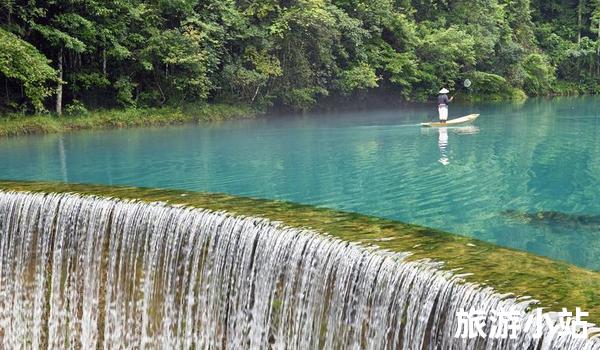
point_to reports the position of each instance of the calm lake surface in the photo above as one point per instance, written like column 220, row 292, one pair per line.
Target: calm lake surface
column 525, row 176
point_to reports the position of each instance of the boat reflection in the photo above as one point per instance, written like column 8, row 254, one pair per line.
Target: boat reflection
column 465, row 130
column 462, row 130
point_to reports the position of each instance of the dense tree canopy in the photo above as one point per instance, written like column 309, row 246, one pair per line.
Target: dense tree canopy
column 290, row 53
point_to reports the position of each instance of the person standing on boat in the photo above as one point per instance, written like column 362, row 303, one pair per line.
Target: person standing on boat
column 443, row 102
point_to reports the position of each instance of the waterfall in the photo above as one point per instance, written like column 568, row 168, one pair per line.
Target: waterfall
column 85, row 272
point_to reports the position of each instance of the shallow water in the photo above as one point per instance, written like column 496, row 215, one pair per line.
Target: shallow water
column 497, row 180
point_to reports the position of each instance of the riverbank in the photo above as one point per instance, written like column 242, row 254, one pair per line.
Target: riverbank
column 17, row 124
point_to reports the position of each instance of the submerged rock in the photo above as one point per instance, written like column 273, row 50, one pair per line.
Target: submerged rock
column 556, row 219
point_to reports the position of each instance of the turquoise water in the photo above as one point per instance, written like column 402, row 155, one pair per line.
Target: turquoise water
column 525, row 176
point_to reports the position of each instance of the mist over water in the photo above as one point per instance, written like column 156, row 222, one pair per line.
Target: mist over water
column 489, row 181
column 90, row 273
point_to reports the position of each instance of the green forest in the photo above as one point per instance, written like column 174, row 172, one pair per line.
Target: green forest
column 67, row 56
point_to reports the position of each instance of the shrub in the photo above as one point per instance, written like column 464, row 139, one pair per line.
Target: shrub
column 76, row 108
column 303, row 99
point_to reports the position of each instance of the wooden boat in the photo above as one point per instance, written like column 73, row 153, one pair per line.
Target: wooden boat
column 457, row 121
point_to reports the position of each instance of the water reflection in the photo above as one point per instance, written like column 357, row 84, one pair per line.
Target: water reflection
column 63, row 158
column 443, row 139
column 443, row 145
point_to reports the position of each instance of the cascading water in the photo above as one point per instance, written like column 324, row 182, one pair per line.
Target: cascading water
column 85, row 272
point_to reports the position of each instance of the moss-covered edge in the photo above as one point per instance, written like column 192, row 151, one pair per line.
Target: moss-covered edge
column 16, row 125
column 555, row 284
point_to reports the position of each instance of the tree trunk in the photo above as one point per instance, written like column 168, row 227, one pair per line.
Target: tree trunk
column 579, row 15
column 104, row 61
column 59, row 89
column 255, row 93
